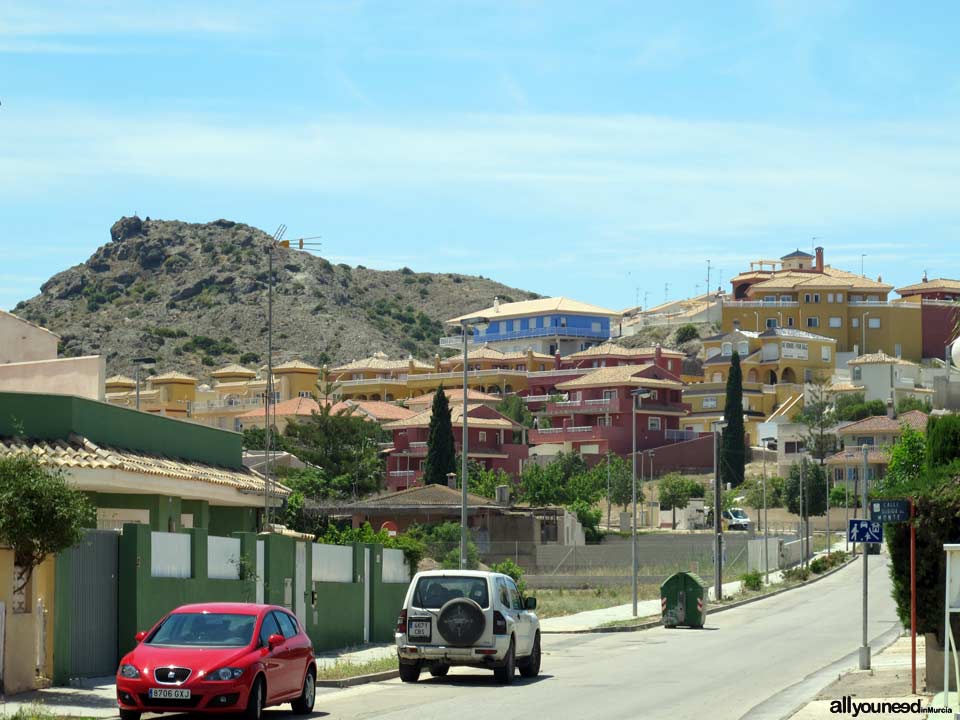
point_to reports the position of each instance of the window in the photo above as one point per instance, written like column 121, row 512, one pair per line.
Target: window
column 855, row 322
column 609, row 394
column 595, row 327
column 483, row 436
column 816, row 297
column 771, row 323
column 726, row 348
column 794, row 350
column 669, row 364
column 856, row 298
column 305, row 394
column 873, row 298
column 789, row 322
column 829, row 297
column 807, row 297
column 898, row 350
column 786, row 298
column 433, row 592
column 839, row 297
column 503, row 593
column 873, row 323
column 515, row 602
column 769, row 298
column 563, row 322
column 836, row 322
column 716, row 377
column 825, row 353
column 709, row 403
column 743, row 347
column 857, row 373
column 237, row 425
column 654, row 395
column 288, row 626
column 807, row 375
column 653, row 423
column 813, row 322
column 509, row 326
column 604, row 421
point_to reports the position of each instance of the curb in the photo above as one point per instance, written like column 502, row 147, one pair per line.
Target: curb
column 710, row 609
column 359, row 679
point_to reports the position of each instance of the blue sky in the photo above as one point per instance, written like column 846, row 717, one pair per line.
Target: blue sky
column 597, row 150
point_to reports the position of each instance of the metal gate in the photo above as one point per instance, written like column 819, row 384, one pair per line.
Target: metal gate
column 93, row 596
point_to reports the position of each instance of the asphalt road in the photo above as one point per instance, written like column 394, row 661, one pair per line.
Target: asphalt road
column 762, row 660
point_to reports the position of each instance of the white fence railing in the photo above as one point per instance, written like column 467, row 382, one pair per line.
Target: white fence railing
column 223, row 558
column 170, row 555
column 332, row 563
column 395, row 568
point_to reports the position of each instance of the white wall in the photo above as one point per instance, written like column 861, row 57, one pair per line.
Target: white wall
column 22, row 341
column 81, row 376
column 332, row 563
column 223, row 558
column 395, row 568
column 169, row 555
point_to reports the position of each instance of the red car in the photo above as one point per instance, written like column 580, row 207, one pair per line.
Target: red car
column 219, row 657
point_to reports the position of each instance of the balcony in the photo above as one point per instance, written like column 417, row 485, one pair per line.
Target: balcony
column 681, row 435
column 471, row 374
column 761, row 303
column 884, row 303
column 544, row 398
column 398, row 380
column 559, row 332
column 579, row 433
column 202, row 406
column 596, row 405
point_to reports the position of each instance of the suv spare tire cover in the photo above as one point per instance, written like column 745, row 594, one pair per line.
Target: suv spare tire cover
column 461, row 622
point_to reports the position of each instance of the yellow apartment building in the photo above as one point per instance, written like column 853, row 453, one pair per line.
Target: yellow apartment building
column 775, row 365
column 378, row 377
column 799, row 291
column 171, row 393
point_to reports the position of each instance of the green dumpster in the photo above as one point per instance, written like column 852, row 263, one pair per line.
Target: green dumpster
column 683, row 600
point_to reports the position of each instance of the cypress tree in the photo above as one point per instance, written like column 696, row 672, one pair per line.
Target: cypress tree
column 732, row 451
column 441, row 449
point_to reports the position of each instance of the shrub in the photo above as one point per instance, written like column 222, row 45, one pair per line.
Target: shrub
column 249, row 357
column 798, row 573
column 838, row 557
column 820, row 565
column 509, row 567
column 686, row 333
column 752, row 580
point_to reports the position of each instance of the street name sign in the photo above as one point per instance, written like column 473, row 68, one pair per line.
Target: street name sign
column 865, row 531
column 885, row 511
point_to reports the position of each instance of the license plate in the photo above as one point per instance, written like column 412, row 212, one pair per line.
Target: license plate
column 419, row 629
column 169, row 694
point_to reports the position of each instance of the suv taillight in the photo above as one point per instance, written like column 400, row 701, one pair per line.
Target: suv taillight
column 402, row 622
column 499, row 623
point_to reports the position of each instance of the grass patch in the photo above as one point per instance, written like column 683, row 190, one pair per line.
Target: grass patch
column 631, row 622
column 557, row 602
column 344, row 670
column 37, row 711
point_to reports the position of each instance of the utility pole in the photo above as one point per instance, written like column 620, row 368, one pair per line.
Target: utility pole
column 717, row 523
column 708, row 276
column 865, row 646
column 803, row 530
column 636, row 397
column 608, row 489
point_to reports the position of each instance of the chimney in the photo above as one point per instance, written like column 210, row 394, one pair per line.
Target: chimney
column 452, row 480
column 658, row 356
column 924, row 278
column 496, row 304
column 503, row 495
column 736, row 324
column 819, row 252
column 556, row 360
column 891, row 410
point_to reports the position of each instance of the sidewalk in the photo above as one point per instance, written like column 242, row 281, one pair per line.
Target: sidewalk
column 887, row 681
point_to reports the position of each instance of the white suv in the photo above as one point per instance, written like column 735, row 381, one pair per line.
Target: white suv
column 467, row 617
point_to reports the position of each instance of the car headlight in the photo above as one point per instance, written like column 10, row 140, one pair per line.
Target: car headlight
column 129, row 671
column 227, row 673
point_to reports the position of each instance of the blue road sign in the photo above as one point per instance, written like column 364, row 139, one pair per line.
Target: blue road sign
column 865, row 531
column 889, row 510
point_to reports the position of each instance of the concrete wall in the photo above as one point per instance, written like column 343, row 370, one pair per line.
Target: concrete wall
column 22, row 341
column 691, row 455
column 81, row 376
column 20, row 629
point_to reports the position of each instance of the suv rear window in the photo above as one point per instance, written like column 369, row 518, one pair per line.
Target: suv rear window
column 435, row 591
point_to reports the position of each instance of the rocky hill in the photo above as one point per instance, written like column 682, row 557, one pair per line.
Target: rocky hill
column 195, row 296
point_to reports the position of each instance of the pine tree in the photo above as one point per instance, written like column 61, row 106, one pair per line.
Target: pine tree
column 732, row 451
column 441, row 449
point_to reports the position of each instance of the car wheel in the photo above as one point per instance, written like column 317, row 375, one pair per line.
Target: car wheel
column 506, row 672
column 409, row 672
column 530, row 667
column 439, row 670
column 255, row 701
column 129, row 715
column 304, row 704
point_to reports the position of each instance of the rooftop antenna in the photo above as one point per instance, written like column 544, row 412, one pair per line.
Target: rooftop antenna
column 666, row 291
column 708, row 275
column 645, row 293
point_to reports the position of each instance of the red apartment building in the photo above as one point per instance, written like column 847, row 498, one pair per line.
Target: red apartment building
column 490, row 443
column 939, row 313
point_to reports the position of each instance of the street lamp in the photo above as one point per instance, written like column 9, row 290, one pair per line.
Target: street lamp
column 766, row 526
column 140, row 361
column 636, row 398
column 717, row 425
column 465, row 323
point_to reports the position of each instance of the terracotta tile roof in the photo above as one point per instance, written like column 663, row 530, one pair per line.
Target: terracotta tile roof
column 879, row 358
column 937, row 285
column 878, row 424
column 380, row 361
column 846, row 387
column 829, row 278
column 614, row 350
column 618, row 375
column 233, row 370
column 425, row 496
column 537, row 307
column 854, row 456
column 422, row 419
column 296, row 365
column 174, row 376
column 378, row 410
column 120, row 380
column 453, row 396
column 78, row 452
column 294, row 407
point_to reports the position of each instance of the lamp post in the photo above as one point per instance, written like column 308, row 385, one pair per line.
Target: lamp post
column 717, row 525
column 608, row 489
column 766, row 526
column 465, row 323
column 636, row 399
column 140, row 361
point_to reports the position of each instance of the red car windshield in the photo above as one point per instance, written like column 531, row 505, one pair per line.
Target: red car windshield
column 205, row 630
